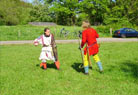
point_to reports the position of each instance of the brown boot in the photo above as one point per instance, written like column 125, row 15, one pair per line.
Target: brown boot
column 57, row 64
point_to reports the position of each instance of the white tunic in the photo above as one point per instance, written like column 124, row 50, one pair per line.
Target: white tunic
column 46, row 52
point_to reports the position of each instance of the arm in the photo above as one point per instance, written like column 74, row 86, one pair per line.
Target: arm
column 37, row 41
column 83, row 39
column 97, row 35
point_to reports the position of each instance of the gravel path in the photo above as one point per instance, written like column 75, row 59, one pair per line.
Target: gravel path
column 74, row 41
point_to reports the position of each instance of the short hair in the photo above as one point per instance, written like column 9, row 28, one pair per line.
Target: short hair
column 86, row 24
column 46, row 29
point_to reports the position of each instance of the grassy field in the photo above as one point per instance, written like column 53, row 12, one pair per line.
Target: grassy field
column 21, row 75
column 28, row 32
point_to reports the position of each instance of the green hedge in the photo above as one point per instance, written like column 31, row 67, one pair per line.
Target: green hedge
column 106, row 29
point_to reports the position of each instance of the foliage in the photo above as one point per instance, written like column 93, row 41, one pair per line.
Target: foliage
column 40, row 13
column 14, row 12
column 121, row 11
column 69, row 12
column 106, row 29
column 96, row 11
column 65, row 11
column 20, row 73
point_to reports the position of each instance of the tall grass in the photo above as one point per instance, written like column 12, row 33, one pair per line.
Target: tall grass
column 28, row 32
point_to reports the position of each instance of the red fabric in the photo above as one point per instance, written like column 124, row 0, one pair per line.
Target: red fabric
column 57, row 64
column 89, row 36
column 44, row 65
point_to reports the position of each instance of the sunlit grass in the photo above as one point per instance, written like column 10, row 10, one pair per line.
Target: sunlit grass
column 21, row 75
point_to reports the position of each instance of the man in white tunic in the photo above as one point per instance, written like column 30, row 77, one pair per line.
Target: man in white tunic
column 49, row 48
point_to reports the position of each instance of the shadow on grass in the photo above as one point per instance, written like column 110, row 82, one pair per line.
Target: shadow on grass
column 49, row 65
column 76, row 66
column 130, row 68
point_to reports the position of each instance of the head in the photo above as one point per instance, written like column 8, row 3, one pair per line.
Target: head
column 86, row 24
column 47, row 32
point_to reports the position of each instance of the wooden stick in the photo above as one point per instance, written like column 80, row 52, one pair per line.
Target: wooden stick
column 81, row 51
column 89, row 60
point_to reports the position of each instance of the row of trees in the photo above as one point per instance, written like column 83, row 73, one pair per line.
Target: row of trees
column 14, row 12
column 69, row 12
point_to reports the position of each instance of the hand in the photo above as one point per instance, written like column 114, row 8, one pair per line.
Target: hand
column 35, row 43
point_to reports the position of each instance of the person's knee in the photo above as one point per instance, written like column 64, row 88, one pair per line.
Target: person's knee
column 96, row 58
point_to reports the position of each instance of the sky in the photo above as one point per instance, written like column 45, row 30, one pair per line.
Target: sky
column 30, row 1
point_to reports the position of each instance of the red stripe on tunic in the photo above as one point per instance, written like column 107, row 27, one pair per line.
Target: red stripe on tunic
column 42, row 40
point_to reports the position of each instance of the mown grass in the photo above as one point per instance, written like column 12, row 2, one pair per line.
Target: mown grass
column 21, row 75
column 28, row 32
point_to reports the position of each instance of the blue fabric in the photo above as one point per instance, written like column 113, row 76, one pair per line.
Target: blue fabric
column 100, row 65
column 86, row 69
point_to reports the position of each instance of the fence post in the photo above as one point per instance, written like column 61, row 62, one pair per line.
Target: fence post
column 111, row 31
column 19, row 33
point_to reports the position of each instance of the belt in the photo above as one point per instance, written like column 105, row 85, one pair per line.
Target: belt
column 91, row 44
column 46, row 45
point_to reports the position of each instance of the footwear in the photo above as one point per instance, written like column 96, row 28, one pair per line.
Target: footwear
column 86, row 70
column 101, row 71
column 57, row 65
column 100, row 66
column 43, row 65
column 86, row 73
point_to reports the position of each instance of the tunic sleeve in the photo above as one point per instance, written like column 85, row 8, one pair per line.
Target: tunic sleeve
column 83, row 39
column 97, row 35
column 38, row 40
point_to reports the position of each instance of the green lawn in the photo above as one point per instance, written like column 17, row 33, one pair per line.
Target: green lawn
column 28, row 32
column 21, row 75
